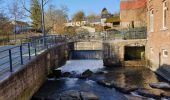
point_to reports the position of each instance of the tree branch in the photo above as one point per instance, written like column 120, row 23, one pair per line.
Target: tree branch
column 45, row 2
column 23, row 4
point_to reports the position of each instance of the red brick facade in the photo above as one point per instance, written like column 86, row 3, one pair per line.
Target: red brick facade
column 132, row 4
column 133, row 12
column 158, row 45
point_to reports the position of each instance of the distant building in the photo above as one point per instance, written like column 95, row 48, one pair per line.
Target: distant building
column 19, row 26
column 158, row 45
column 95, row 22
column 133, row 13
column 77, row 23
column 113, row 22
column 104, row 15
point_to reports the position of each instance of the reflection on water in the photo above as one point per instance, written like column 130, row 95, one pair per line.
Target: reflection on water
column 124, row 76
column 138, row 76
column 51, row 89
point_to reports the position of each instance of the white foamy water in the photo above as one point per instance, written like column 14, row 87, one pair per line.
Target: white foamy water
column 79, row 66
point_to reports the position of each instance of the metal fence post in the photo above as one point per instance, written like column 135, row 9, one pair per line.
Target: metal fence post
column 35, row 51
column 21, row 56
column 10, row 60
column 29, row 51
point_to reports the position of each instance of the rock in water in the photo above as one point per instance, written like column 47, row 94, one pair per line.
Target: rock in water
column 66, row 74
column 57, row 73
column 131, row 97
column 88, row 96
column 151, row 93
column 78, row 95
column 86, row 74
column 70, row 95
column 106, row 83
column 126, row 89
column 160, row 85
column 166, row 95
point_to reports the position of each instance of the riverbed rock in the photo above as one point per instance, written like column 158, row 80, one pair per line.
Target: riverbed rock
column 88, row 96
column 78, row 95
column 86, row 74
column 57, row 73
column 166, row 95
column 131, row 97
column 106, row 83
column 125, row 89
column 160, row 85
column 70, row 95
column 151, row 93
column 66, row 74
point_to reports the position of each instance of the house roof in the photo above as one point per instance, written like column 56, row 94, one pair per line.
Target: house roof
column 20, row 23
column 106, row 15
column 113, row 19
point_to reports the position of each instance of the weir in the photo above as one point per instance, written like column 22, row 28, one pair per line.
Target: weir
column 31, row 75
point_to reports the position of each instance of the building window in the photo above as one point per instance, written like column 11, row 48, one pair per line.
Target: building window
column 165, row 53
column 165, row 8
column 151, row 21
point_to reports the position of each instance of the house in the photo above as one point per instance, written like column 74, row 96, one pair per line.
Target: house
column 76, row 23
column 19, row 26
column 113, row 22
column 158, row 45
column 133, row 13
column 95, row 22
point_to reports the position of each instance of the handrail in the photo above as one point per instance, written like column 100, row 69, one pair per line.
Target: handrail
column 20, row 54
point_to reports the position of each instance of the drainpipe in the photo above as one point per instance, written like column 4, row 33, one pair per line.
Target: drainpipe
column 159, row 59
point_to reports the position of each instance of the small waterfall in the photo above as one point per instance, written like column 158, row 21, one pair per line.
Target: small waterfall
column 86, row 54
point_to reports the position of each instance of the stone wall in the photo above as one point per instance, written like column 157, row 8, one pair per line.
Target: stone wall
column 21, row 85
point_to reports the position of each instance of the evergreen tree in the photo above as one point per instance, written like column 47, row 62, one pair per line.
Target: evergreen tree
column 104, row 11
column 36, row 14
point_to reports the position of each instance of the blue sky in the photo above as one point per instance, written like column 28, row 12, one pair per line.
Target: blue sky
column 88, row 6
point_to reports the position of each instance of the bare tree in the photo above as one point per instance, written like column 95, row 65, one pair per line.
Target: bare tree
column 79, row 16
column 55, row 18
column 16, row 13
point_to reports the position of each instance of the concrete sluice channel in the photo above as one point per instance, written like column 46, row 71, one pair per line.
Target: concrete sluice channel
column 101, row 83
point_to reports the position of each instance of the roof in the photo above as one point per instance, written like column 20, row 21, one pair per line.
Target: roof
column 20, row 23
column 113, row 19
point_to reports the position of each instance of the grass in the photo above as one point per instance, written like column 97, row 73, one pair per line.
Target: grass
column 4, row 40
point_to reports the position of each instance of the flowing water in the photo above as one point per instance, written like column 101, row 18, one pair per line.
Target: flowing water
column 138, row 76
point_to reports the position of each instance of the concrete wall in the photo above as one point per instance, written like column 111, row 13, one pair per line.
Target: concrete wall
column 21, row 85
column 113, row 51
column 88, row 45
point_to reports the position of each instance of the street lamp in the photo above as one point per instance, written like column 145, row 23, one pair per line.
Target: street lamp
column 42, row 22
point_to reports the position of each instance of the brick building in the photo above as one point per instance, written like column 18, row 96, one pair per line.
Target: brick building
column 133, row 13
column 158, row 45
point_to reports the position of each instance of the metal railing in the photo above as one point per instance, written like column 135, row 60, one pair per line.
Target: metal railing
column 125, row 34
column 14, row 56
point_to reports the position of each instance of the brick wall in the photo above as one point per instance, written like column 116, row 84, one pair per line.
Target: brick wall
column 159, row 39
column 133, row 10
column 22, row 84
